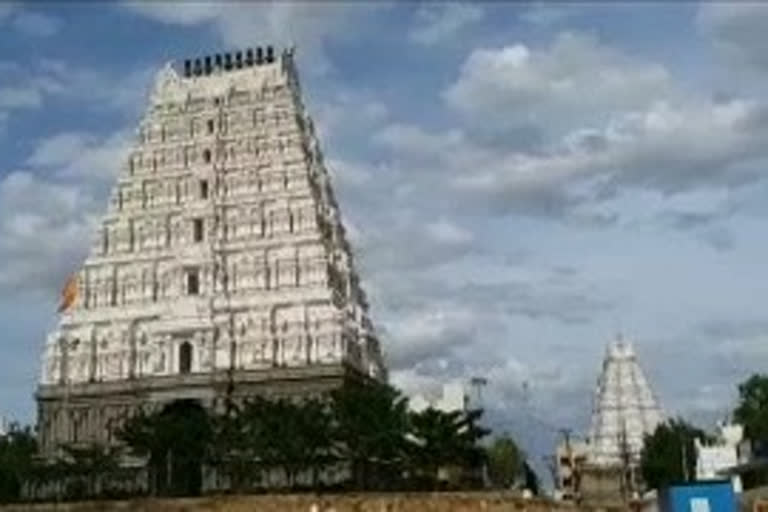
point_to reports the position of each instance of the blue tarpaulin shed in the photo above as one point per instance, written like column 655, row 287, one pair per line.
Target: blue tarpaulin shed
column 714, row 496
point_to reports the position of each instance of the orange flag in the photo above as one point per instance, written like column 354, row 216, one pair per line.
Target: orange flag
column 69, row 293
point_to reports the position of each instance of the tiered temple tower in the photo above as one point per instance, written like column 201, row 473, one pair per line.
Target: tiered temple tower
column 221, row 266
column 624, row 411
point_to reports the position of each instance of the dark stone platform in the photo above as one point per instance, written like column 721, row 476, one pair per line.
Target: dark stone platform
column 81, row 414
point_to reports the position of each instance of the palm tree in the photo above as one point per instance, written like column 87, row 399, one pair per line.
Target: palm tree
column 444, row 440
column 369, row 424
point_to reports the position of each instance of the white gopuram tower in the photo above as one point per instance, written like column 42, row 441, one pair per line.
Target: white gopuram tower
column 221, row 265
column 624, row 410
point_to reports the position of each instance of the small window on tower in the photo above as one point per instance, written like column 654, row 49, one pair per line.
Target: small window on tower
column 207, row 156
column 198, row 230
column 193, row 282
column 210, row 126
column 204, row 189
column 185, row 357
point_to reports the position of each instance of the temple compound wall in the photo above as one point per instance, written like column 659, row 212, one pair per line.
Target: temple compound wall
column 394, row 502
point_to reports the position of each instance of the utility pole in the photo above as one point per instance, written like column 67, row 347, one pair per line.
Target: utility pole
column 478, row 383
column 625, row 464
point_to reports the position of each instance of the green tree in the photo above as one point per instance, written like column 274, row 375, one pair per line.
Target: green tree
column 287, row 437
column 752, row 409
column 531, row 479
column 369, row 425
column 472, row 433
column 262, row 434
column 176, row 441
column 445, row 439
column 231, row 451
column 17, row 451
column 505, row 462
column 665, row 450
column 88, row 467
column 316, row 427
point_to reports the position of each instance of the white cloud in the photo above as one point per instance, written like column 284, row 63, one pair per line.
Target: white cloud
column 82, row 155
column 440, row 22
column 36, row 24
column 415, row 141
column 308, row 25
column 44, row 230
column 60, row 149
column 31, row 85
column 424, row 334
column 666, row 147
column 347, row 113
column 575, row 76
column 348, row 174
column 446, row 232
column 607, row 121
column 737, row 30
column 49, row 211
column 124, row 91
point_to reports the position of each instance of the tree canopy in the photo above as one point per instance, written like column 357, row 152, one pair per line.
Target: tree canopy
column 752, row 408
column 369, row 423
column 666, row 450
column 17, row 450
column 506, row 463
column 176, row 441
column 363, row 429
column 443, row 439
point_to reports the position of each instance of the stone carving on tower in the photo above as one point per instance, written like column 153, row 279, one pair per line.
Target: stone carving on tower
column 624, row 411
column 221, row 252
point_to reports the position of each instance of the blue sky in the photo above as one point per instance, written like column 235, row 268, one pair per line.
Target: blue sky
column 520, row 181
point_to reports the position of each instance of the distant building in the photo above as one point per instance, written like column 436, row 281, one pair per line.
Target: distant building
column 454, row 397
column 4, row 426
column 571, row 458
column 725, row 453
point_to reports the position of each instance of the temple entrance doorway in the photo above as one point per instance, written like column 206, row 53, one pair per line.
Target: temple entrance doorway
column 183, row 429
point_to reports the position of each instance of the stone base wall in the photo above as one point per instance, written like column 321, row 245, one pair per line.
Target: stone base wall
column 603, row 486
column 416, row 502
column 92, row 412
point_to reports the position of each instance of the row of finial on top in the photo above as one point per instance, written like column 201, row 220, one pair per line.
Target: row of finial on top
column 229, row 61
